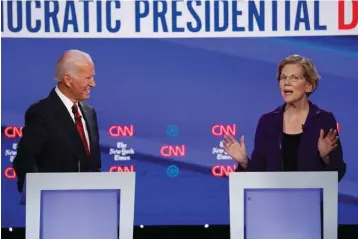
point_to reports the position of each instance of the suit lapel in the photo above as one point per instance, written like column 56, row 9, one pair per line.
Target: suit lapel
column 67, row 123
column 89, row 123
column 278, row 129
column 308, row 134
column 312, row 113
column 278, row 126
column 279, row 113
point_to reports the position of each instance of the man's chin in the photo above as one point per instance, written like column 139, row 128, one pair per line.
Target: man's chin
column 85, row 97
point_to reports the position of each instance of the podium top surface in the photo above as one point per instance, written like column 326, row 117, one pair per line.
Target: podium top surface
column 284, row 179
column 66, row 181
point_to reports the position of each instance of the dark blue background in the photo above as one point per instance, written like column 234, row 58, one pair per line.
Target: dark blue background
column 192, row 83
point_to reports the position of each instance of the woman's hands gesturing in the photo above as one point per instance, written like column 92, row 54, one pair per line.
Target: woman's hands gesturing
column 328, row 143
column 237, row 150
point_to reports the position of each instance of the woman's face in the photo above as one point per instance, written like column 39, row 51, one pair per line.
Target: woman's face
column 294, row 87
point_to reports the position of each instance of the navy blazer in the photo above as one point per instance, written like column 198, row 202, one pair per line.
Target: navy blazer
column 267, row 155
column 50, row 141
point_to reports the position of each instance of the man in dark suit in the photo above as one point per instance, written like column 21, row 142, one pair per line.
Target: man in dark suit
column 61, row 132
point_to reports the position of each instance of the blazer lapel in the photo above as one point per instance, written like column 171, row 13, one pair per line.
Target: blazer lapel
column 89, row 123
column 67, row 123
column 279, row 123
column 278, row 129
column 307, row 135
column 307, row 145
column 279, row 112
column 313, row 111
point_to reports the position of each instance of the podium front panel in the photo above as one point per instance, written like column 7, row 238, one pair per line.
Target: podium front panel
column 283, row 213
column 239, row 182
column 91, row 196
column 89, row 214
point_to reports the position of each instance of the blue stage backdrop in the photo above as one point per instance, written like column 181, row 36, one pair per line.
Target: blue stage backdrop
column 173, row 77
column 163, row 105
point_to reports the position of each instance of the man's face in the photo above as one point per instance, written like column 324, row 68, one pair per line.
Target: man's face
column 82, row 81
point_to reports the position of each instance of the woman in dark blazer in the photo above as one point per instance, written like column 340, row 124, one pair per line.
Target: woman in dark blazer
column 297, row 136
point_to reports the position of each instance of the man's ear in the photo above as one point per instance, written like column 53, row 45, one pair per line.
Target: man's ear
column 67, row 80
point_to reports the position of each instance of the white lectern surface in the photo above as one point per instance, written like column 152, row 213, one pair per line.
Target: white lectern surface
column 80, row 205
column 283, row 205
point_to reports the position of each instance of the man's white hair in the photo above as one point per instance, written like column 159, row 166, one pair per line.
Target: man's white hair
column 68, row 63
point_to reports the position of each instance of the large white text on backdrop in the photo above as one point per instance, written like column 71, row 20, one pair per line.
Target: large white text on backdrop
column 167, row 19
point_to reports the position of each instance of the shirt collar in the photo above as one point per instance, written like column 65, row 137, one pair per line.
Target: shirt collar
column 67, row 102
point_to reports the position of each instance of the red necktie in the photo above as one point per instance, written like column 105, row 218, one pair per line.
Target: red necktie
column 79, row 127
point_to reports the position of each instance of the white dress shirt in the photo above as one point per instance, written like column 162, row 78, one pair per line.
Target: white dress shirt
column 68, row 103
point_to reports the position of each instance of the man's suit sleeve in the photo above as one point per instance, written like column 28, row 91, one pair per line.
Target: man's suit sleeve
column 98, row 152
column 257, row 161
column 336, row 162
column 30, row 145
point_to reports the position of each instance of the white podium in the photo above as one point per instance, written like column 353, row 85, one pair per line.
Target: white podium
column 281, row 205
column 80, row 205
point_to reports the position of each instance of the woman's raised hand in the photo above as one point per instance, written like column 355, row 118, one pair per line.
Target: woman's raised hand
column 237, row 150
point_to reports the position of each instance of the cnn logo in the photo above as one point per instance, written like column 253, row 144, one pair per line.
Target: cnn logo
column 173, row 150
column 121, row 131
column 221, row 129
column 12, row 132
column 122, row 169
column 223, row 170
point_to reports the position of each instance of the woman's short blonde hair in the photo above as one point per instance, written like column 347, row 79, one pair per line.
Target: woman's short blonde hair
column 310, row 72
